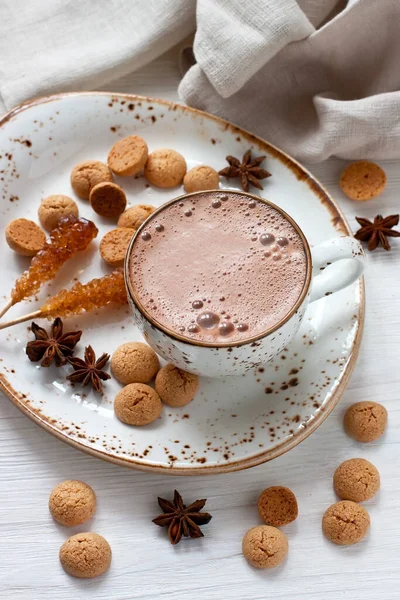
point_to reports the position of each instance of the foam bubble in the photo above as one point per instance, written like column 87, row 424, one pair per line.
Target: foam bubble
column 267, row 238
column 225, row 328
column 208, row 320
column 282, row 241
column 197, row 304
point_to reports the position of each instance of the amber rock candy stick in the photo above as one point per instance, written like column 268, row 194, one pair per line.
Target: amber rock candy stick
column 82, row 297
column 70, row 236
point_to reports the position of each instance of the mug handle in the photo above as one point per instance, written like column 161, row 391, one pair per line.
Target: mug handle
column 326, row 282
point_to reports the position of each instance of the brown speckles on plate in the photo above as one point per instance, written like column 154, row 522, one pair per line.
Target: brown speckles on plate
column 232, row 418
column 24, row 142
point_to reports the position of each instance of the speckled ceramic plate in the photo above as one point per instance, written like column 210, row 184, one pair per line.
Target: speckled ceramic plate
column 232, row 424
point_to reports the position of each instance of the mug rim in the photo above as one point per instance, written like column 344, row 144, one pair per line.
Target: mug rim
column 181, row 338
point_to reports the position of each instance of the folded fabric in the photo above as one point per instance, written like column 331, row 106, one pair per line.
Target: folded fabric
column 315, row 77
column 49, row 46
column 334, row 92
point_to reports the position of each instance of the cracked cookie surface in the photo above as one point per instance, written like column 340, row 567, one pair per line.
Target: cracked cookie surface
column 55, row 207
column 345, row 523
column 134, row 362
column 72, row 502
column 356, row 479
column 87, row 174
column 137, row 404
column 85, row 555
column 175, row 386
column 264, row 547
column 365, row 421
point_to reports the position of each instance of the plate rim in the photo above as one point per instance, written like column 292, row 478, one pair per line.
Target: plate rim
column 337, row 218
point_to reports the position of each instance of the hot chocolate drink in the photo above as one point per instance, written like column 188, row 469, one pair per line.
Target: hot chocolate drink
column 218, row 267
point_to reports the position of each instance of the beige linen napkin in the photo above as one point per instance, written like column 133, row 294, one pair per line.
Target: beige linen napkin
column 315, row 77
column 334, row 92
column 49, row 46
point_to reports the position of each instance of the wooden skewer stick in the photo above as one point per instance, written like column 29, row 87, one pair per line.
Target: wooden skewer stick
column 5, row 308
column 37, row 314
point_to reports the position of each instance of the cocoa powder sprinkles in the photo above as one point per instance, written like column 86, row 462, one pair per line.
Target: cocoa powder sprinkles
column 24, row 142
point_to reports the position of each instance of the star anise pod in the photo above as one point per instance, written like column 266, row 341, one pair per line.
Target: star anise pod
column 182, row 520
column 248, row 170
column 378, row 231
column 54, row 346
column 89, row 371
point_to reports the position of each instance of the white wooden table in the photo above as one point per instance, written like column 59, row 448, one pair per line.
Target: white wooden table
column 144, row 564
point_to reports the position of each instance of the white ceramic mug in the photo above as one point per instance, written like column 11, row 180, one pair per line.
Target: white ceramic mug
column 218, row 360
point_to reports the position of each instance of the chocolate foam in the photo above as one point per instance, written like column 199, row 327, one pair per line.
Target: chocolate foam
column 218, row 267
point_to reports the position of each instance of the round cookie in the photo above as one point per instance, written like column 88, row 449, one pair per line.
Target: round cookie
column 201, row 178
column 72, row 503
column 165, row 168
column 365, row 421
column 87, row 174
column 53, row 208
column 137, row 404
column 107, row 199
column 134, row 216
column 25, row 237
column 134, row 362
column 175, row 386
column 264, row 547
column 356, row 479
column 85, row 555
column 114, row 245
column 128, row 156
column 363, row 180
column 277, row 506
column 345, row 523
